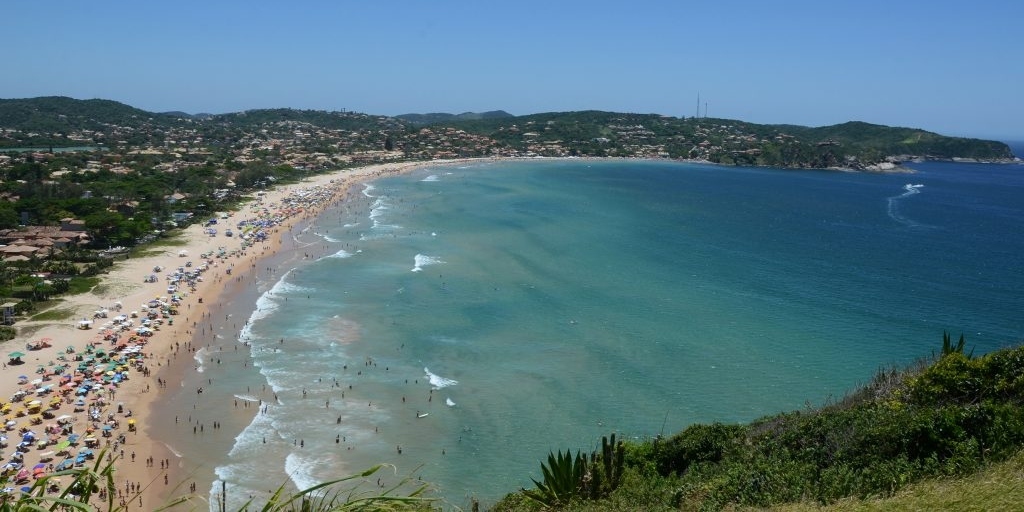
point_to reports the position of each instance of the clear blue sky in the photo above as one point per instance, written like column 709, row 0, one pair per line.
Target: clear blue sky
column 949, row 66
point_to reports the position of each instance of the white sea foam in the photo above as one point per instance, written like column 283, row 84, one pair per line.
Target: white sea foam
column 300, row 469
column 267, row 303
column 340, row 254
column 284, row 287
column 327, row 237
column 422, row 260
column 379, row 209
column 438, row 381
column 276, row 377
column 432, row 177
column 449, row 402
column 250, row 440
column 198, row 356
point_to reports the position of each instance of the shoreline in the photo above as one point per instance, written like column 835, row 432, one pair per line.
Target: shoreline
column 148, row 454
column 145, row 457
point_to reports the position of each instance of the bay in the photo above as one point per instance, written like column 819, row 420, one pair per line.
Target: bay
column 461, row 321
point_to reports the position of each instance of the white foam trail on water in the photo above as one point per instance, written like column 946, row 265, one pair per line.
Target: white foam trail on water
column 432, row 177
column 449, row 402
column 438, row 381
column 422, row 260
column 893, row 204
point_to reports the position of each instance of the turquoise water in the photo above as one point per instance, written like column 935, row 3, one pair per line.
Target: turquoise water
column 534, row 306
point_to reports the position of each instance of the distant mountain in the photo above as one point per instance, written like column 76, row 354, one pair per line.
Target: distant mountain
column 859, row 136
column 60, row 114
column 435, row 118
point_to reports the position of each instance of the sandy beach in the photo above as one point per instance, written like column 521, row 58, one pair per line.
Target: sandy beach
column 98, row 387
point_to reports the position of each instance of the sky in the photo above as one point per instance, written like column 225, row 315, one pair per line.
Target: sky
column 952, row 67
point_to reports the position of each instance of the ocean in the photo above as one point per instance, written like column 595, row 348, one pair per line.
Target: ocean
column 462, row 321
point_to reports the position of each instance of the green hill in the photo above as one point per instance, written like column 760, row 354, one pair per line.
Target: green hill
column 60, row 121
column 950, row 419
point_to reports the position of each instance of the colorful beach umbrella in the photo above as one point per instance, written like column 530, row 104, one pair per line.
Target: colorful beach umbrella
column 16, row 355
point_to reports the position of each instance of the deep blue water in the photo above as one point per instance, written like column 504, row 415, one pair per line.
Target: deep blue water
column 534, row 306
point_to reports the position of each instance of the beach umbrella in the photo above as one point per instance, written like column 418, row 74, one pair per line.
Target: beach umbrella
column 16, row 355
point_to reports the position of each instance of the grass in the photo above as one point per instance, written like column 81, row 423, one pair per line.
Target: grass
column 53, row 315
column 79, row 285
column 173, row 240
column 998, row 487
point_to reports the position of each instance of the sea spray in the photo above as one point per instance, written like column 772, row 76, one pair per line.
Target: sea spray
column 437, row 381
column 422, row 260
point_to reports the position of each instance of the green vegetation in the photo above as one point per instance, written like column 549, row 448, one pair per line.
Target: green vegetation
column 568, row 478
column 156, row 172
column 950, row 418
column 54, row 315
column 82, row 284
